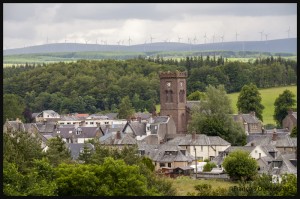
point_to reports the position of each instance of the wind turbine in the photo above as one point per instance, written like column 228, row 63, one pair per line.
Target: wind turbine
column 288, row 31
column 118, row 42
column 195, row 39
column 213, row 38
column 261, row 34
column 236, row 35
column 205, row 38
column 86, row 41
column 151, row 38
column 129, row 40
column 267, row 36
column 179, row 38
column 222, row 37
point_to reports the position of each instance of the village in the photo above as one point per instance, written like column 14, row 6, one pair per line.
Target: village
column 164, row 138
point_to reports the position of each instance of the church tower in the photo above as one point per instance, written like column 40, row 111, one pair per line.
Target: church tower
column 173, row 98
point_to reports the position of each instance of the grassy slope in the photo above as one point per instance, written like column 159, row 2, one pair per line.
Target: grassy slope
column 184, row 185
column 268, row 98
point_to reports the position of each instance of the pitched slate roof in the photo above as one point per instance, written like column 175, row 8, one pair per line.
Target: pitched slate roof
column 64, row 132
column 191, row 104
column 87, row 132
column 138, row 128
column 285, row 167
column 76, row 147
column 143, row 116
column 16, row 126
column 112, row 116
column 111, row 139
column 46, row 128
column 248, row 118
column 268, row 133
column 281, row 141
column 170, row 153
column 161, row 119
column 200, row 140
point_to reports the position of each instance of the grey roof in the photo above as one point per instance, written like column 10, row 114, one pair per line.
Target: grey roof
column 34, row 115
column 170, row 153
column 48, row 127
column 16, row 126
column 281, row 141
column 143, row 116
column 87, row 132
column 248, row 118
column 200, row 140
column 111, row 139
column 69, row 118
column 161, row 119
column 286, row 165
column 138, row 128
column 191, row 104
column 98, row 116
column 64, row 132
column 112, row 116
column 76, row 147
column 243, row 148
column 50, row 112
column 268, row 133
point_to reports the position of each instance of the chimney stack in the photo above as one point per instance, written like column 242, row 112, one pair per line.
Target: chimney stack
column 118, row 135
column 274, row 136
column 194, row 136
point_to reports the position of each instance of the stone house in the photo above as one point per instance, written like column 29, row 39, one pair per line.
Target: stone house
column 250, row 122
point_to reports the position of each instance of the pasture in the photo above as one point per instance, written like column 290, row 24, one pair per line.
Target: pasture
column 268, row 96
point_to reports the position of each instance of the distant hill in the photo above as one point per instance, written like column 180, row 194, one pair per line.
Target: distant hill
column 272, row 46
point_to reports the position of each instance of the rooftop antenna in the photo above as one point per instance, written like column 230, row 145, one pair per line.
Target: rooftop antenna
column 288, row 31
column 261, row 34
column 236, row 35
column 205, row 37
column 267, row 36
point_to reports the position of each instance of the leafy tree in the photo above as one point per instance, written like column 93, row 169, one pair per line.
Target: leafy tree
column 125, row 109
column 283, row 103
column 209, row 166
column 86, row 154
column 213, row 118
column 57, row 151
column 249, row 100
column 21, row 148
column 240, row 165
column 197, row 95
column 294, row 132
column 204, row 189
column 112, row 178
column 13, row 107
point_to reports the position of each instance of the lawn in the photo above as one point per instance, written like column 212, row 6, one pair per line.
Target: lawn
column 269, row 96
column 184, row 184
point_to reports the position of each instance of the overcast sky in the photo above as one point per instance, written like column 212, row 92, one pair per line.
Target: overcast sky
column 34, row 24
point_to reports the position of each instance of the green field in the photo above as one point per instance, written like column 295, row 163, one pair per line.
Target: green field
column 183, row 185
column 268, row 98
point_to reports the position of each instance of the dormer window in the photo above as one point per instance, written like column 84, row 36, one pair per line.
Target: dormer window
column 79, row 131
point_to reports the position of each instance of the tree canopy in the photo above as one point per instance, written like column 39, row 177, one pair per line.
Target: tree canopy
column 283, row 103
column 249, row 100
column 213, row 117
column 240, row 165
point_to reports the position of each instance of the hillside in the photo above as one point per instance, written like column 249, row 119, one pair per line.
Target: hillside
column 272, row 46
column 268, row 98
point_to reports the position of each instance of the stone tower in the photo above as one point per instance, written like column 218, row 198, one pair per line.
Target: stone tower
column 173, row 98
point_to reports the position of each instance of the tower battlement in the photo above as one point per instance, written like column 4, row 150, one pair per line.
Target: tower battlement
column 175, row 74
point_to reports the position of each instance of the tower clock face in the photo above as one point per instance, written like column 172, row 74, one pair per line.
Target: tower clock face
column 168, row 84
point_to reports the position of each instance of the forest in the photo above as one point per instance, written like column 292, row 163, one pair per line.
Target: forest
column 90, row 86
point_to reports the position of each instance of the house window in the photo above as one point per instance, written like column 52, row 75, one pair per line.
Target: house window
column 105, row 122
column 169, row 165
column 181, row 96
column 259, row 155
column 47, row 115
column 162, row 164
column 86, row 123
column 142, row 152
column 199, row 158
column 68, row 122
column 58, row 131
column 91, row 122
column 74, row 122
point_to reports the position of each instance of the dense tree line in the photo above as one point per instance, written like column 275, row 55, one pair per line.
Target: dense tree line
column 95, row 86
column 30, row 171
